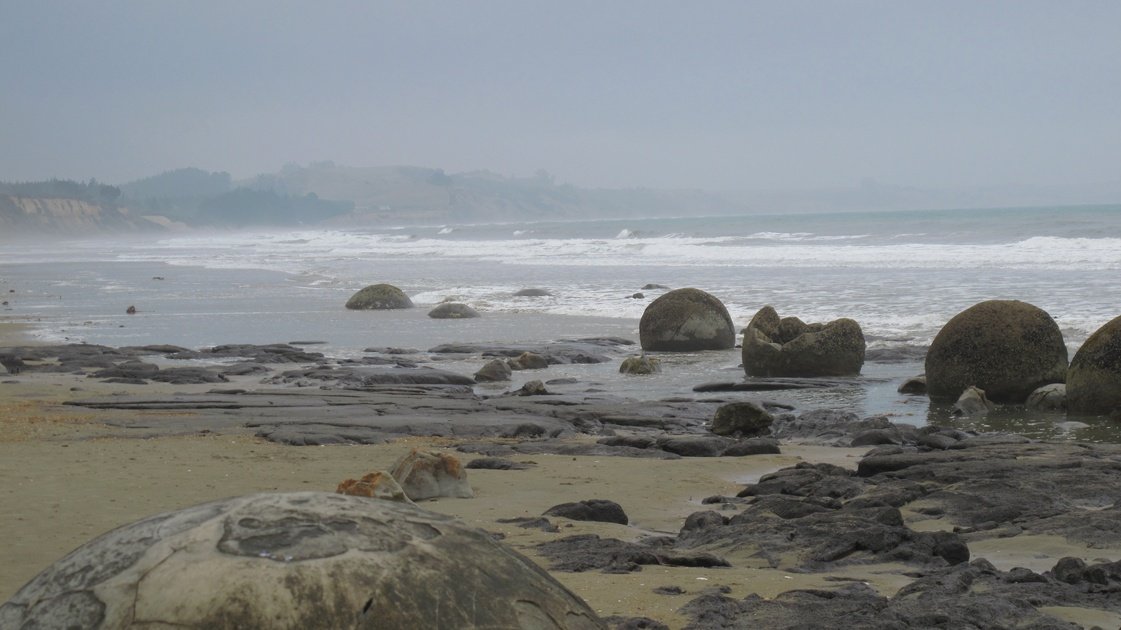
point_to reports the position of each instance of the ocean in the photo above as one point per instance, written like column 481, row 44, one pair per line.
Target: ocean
column 901, row 275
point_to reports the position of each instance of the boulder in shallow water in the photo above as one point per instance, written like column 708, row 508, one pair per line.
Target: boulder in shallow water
column 528, row 361
column 916, row 385
column 429, row 475
column 1094, row 379
column 973, row 402
column 453, row 310
column 296, row 560
column 686, row 320
column 789, row 347
column 1051, row 397
column 641, row 365
column 1006, row 347
column 379, row 297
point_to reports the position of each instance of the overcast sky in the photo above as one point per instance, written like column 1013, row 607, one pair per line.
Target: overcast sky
column 713, row 95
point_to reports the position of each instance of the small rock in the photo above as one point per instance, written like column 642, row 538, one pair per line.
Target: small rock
column 528, row 361
column 493, row 372
column 972, row 402
column 376, row 485
column 131, row 310
column 599, row 510
column 532, row 388
column 641, row 365
column 744, row 418
column 1048, row 398
column 915, row 385
column 428, row 475
column 453, row 310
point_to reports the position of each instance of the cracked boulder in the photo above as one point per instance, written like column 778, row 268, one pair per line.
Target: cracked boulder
column 789, row 347
column 296, row 560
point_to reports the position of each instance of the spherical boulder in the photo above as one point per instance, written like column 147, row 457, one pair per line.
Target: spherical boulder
column 379, row 297
column 453, row 310
column 1006, row 347
column 790, row 347
column 1094, row 378
column 296, row 560
column 686, row 320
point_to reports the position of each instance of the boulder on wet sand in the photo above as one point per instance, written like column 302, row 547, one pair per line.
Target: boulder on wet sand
column 429, row 475
column 296, row 560
column 686, row 320
column 493, row 372
column 375, row 485
column 747, row 418
column 1094, row 379
column 789, row 347
column 641, row 365
column 1006, row 347
column 379, row 297
column 453, row 310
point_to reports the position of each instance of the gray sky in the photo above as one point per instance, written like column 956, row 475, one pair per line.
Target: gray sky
column 714, row 95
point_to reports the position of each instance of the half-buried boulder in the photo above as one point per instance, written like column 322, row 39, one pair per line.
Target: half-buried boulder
column 1006, row 347
column 296, row 560
column 1094, row 378
column 375, row 485
column 789, row 347
column 686, row 320
column 379, row 297
column 453, row 310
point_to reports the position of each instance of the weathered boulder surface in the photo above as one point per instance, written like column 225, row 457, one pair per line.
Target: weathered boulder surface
column 453, row 310
column 528, row 361
column 1094, row 379
column 686, row 320
column 790, row 347
column 429, row 475
column 1006, row 347
column 379, row 297
column 296, row 560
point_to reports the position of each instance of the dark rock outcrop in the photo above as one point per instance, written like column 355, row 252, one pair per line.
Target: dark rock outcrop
column 686, row 320
column 1006, row 347
column 744, row 418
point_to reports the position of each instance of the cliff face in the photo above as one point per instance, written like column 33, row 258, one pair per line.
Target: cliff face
column 62, row 216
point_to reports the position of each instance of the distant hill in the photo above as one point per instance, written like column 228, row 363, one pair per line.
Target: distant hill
column 410, row 193
column 184, row 183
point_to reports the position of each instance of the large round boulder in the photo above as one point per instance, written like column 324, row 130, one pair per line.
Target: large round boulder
column 1094, row 377
column 379, row 297
column 789, row 347
column 296, row 560
column 686, row 320
column 1006, row 347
